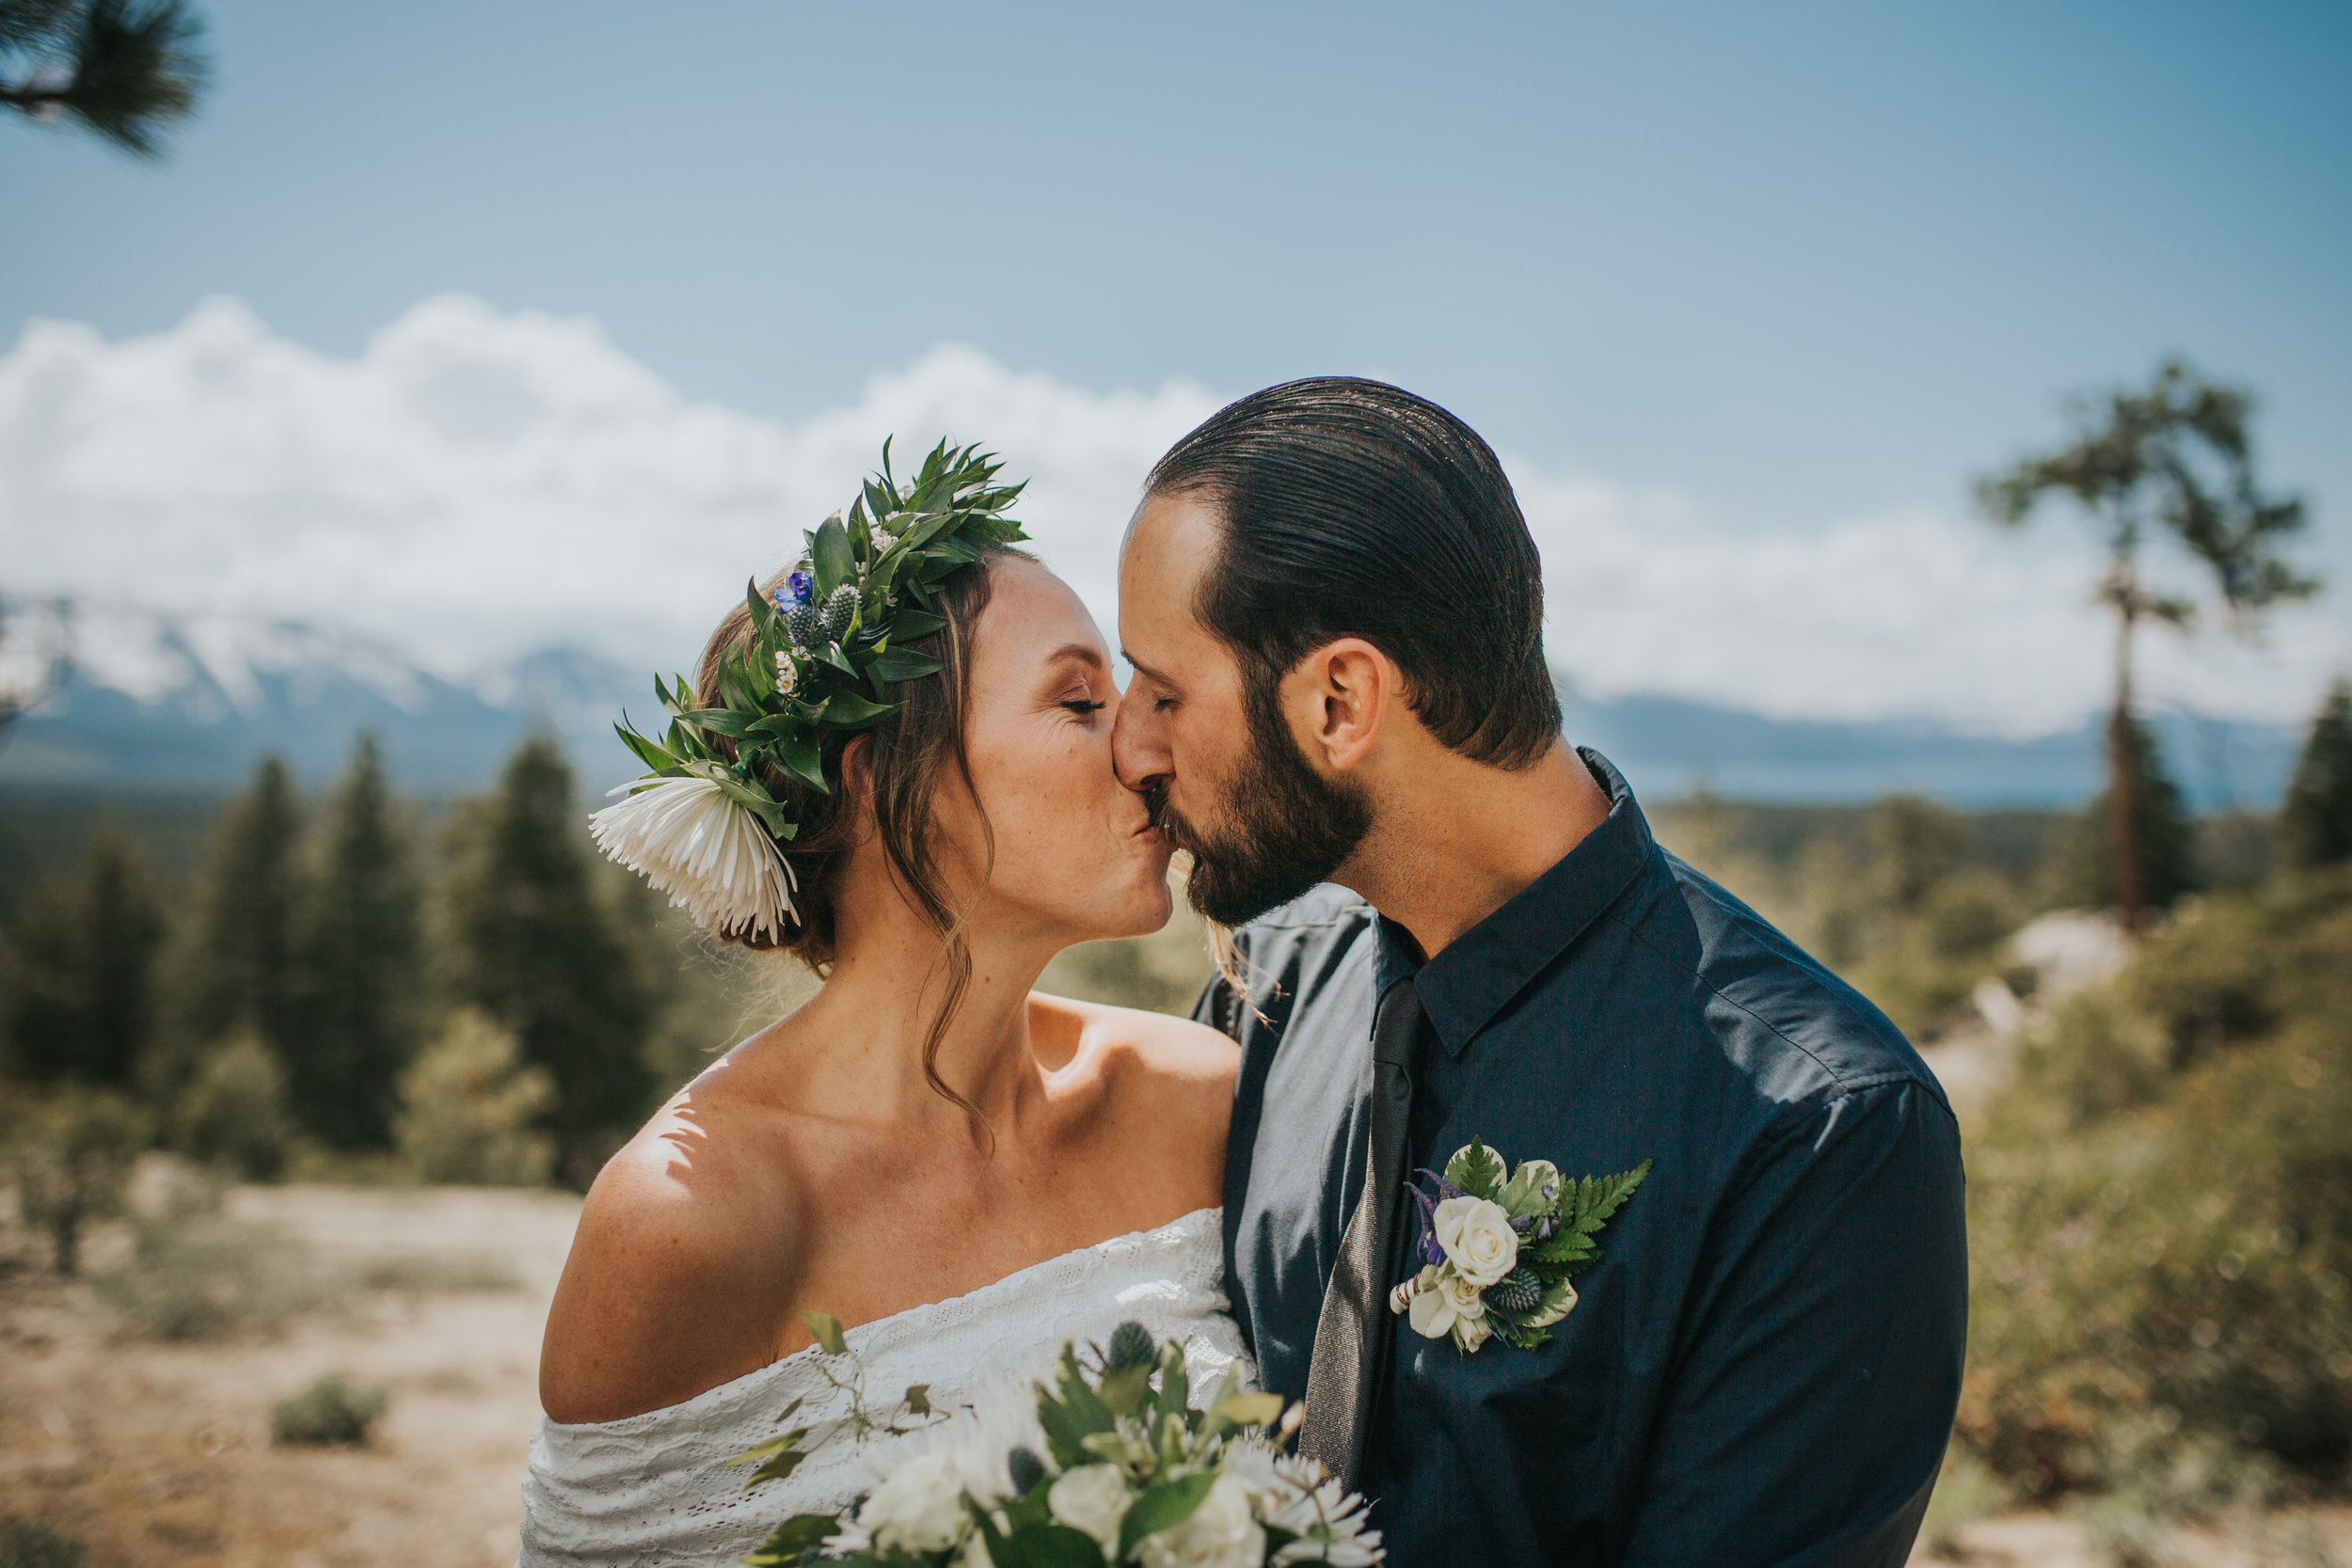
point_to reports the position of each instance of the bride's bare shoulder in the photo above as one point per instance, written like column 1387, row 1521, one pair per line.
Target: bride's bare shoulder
column 684, row 1238
column 1179, row 1071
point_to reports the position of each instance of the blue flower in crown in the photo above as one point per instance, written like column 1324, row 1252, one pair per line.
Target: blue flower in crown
column 801, row 586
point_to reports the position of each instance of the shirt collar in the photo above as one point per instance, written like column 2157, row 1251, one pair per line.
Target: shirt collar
column 1465, row 986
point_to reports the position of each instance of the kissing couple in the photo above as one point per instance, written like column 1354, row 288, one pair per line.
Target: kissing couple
column 1592, row 1220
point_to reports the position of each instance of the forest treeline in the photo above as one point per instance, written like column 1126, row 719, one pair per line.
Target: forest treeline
column 344, row 988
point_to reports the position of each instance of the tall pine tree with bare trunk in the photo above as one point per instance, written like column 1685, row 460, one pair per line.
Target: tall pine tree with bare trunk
column 2171, row 462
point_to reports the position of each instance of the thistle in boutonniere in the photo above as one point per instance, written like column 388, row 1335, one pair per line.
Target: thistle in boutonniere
column 1499, row 1248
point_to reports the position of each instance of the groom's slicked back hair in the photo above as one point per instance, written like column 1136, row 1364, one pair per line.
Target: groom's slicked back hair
column 1352, row 508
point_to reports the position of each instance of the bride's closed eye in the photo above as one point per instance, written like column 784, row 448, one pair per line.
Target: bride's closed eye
column 1083, row 707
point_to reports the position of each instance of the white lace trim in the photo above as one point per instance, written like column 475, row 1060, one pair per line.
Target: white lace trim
column 656, row 1491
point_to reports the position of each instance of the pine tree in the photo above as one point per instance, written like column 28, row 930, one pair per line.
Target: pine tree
column 80, row 1004
column 2316, row 819
column 360, row 966
column 125, row 68
column 237, row 969
column 2161, row 830
column 1918, row 842
column 2175, row 461
column 538, row 952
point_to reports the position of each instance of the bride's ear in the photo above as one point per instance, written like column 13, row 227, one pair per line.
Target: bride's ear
column 857, row 785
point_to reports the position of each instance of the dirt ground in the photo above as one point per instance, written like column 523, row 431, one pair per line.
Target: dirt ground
column 156, row 1453
column 161, row 1454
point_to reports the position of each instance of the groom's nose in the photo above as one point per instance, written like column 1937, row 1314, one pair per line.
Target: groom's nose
column 1139, row 751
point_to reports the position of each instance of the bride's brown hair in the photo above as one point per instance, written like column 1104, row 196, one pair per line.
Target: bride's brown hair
column 908, row 757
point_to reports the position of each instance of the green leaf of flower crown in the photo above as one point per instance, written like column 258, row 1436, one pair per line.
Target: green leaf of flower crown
column 829, row 667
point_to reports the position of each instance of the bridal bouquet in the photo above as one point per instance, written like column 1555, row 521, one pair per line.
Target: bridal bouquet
column 1113, row 1465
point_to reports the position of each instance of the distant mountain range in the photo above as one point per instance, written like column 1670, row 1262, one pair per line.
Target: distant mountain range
column 146, row 700
column 150, row 700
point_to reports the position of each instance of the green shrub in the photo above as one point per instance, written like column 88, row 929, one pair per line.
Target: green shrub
column 331, row 1411
column 71, row 1157
column 24, row 1544
column 2162, row 1249
column 469, row 1106
column 1970, row 913
column 2096, row 1056
column 234, row 1113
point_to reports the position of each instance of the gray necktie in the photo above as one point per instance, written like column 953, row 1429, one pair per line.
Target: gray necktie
column 1352, row 1336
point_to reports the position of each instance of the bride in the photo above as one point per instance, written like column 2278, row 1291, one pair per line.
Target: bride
column 964, row 1171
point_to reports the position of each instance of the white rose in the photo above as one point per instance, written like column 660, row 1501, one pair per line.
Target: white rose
column 1470, row 1333
column 1477, row 1238
column 917, row 1508
column 1220, row 1534
column 1093, row 1499
column 1467, row 1299
column 1445, row 1299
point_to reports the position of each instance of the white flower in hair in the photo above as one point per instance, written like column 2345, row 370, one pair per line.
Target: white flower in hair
column 693, row 841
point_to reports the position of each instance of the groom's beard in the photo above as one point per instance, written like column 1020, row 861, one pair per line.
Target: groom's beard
column 1288, row 828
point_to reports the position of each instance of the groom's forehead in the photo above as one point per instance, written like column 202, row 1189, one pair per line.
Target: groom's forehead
column 1171, row 542
column 1178, row 531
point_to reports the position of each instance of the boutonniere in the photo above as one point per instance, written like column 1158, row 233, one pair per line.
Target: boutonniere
column 1498, row 1250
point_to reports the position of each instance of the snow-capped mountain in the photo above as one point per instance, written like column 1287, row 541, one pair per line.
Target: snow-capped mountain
column 139, row 698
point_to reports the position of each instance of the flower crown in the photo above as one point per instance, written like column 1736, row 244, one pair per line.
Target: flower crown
column 703, row 826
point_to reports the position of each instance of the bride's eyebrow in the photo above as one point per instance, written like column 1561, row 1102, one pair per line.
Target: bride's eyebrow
column 1079, row 652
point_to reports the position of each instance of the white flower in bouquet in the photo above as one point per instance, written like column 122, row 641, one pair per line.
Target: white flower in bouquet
column 1328, row 1520
column 1092, row 1499
column 979, row 1439
column 1112, row 1459
column 1477, row 1238
column 1222, row 1532
column 692, row 840
column 917, row 1508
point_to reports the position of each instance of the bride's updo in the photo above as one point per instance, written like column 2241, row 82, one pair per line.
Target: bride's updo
column 909, row 753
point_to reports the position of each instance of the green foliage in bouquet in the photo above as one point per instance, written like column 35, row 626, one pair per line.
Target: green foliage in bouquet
column 824, row 653
column 1129, row 1473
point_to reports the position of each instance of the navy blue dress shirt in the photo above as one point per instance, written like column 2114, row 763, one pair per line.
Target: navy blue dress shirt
column 1763, row 1363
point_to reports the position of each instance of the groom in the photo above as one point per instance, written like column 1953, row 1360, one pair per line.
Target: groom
column 1334, row 612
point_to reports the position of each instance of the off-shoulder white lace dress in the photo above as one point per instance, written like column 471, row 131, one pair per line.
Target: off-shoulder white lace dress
column 656, row 1491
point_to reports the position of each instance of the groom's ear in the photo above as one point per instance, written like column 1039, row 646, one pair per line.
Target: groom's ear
column 1338, row 701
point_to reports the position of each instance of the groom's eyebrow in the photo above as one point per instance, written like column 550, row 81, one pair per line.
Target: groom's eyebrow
column 1140, row 668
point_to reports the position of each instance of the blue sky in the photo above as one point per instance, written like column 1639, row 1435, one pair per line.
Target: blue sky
column 1792, row 264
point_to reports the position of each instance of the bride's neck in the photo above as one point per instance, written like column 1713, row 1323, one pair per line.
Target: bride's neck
column 856, row 1048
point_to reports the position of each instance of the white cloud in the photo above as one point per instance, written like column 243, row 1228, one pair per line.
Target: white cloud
column 475, row 485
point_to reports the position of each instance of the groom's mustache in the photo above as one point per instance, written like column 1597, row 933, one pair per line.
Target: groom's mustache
column 1170, row 821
